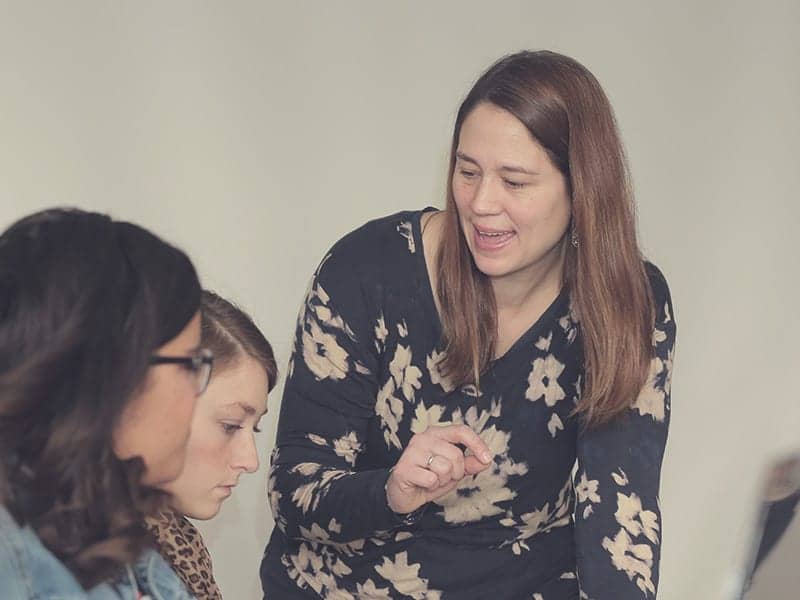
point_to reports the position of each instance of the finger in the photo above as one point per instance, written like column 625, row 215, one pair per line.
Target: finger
column 443, row 469
column 473, row 466
column 440, row 491
column 418, row 477
column 424, row 453
column 461, row 434
column 452, row 453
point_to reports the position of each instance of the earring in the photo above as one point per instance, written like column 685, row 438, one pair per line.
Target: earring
column 573, row 238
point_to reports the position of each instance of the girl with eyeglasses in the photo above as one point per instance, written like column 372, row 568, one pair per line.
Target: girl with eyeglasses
column 100, row 367
column 222, row 440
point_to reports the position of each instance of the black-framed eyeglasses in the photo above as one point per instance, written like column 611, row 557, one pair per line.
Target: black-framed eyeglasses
column 200, row 364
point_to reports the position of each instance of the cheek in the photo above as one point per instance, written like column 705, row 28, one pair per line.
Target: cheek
column 550, row 211
column 461, row 194
column 172, row 397
column 207, row 447
column 205, row 464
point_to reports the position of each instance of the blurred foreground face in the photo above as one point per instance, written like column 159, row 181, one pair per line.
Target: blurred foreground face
column 156, row 422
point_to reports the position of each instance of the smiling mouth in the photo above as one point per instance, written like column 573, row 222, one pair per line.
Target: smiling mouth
column 491, row 240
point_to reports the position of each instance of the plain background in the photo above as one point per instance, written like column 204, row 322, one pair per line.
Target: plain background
column 255, row 134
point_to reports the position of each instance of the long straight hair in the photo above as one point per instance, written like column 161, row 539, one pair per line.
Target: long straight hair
column 84, row 302
column 568, row 114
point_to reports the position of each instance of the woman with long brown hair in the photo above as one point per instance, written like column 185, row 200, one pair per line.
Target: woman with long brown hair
column 478, row 399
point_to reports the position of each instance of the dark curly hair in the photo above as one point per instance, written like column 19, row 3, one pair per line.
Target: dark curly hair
column 84, row 302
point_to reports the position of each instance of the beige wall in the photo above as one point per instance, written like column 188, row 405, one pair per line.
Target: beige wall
column 256, row 133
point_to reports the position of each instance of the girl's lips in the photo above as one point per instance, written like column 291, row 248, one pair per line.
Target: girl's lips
column 491, row 239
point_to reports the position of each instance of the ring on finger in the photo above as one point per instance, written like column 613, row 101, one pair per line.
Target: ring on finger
column 429, row 461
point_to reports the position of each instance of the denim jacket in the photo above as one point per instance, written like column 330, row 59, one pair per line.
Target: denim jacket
column 28, row 571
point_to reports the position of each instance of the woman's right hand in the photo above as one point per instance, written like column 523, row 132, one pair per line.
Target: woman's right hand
column 433, row 464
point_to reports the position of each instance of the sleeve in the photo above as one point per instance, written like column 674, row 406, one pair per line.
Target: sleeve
column 316, row 492
column 617, row 514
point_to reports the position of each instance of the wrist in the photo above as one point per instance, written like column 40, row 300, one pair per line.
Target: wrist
column 407, row 518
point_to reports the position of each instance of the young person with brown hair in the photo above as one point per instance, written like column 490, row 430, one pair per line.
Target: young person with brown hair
column 222, row 441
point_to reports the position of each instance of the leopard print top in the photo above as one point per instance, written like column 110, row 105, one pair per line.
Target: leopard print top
column 182, row 546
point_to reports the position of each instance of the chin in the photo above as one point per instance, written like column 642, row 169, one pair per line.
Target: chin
column 203, row 511
column 493, row 268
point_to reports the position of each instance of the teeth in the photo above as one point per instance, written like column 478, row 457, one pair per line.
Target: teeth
column 494, row 234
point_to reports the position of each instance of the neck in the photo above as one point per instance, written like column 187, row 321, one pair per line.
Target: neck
column 534, row 286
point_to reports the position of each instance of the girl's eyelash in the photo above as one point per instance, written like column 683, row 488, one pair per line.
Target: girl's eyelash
column 232, row 428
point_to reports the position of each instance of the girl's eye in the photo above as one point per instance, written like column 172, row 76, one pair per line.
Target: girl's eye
column 230, row 428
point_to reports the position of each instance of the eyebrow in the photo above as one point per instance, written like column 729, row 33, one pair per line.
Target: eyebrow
column 245, row 407
column 506, row 168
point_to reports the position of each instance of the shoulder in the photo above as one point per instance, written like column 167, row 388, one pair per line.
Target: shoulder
column 157, row 576
column 659, row 288
column 14, row 576
column 27, row 568
column 386, row 239
column 392, row 234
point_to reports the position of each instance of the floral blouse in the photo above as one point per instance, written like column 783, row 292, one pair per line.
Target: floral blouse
column 562, row 513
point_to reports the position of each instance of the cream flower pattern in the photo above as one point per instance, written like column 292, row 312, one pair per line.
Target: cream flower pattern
column 634, row 519
column 405, row 229
column 425, row 417
column 348, row 447
column 482, row 495
column 366, row 378
column 543, row 380
column 540, row 520
column 555, row 424
column 432, row 363
column 320, row 326
column 586, row 490
column 405, row 578
column 399, row 388
column 406, row 376
column 636, row 560
column 381, row 333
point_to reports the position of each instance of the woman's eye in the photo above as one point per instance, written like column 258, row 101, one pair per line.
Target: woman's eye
column 514, row 185
column 467, row 174
column 230, row 428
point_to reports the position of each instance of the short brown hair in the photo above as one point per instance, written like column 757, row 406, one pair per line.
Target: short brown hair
column 231, row 334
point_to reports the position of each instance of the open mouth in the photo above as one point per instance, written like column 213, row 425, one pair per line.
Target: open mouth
column 492, row 239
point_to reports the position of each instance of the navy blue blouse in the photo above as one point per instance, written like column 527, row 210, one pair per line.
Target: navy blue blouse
column 562, row 513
